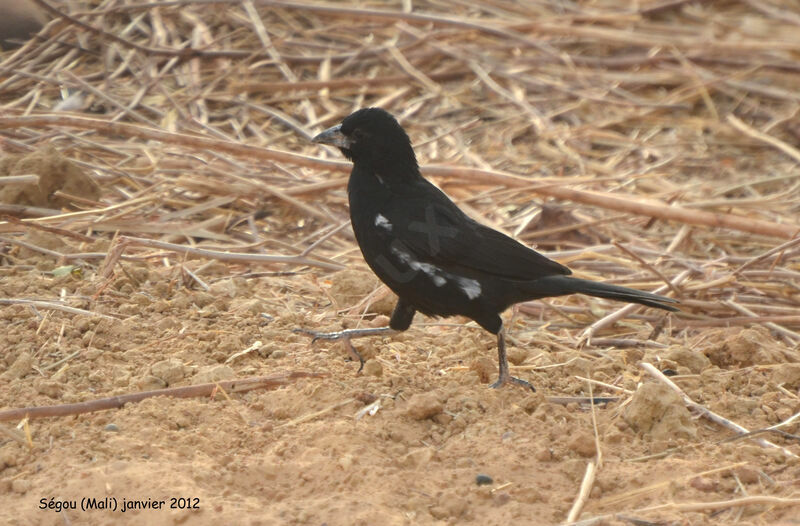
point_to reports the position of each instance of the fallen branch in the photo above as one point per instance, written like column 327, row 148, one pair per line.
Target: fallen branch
column 189, row 391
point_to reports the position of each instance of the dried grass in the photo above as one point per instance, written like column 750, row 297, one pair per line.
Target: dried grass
column 635, row 144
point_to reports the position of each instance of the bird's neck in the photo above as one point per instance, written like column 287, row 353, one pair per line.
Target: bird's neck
column 387, row 172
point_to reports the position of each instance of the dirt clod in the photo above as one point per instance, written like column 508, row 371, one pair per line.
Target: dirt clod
column 213, row 373
column 170, row 371
column 745, row 348
column 373, row 368
column 21, row 367
column 583, row 444
column 55, row 173
column 485, row 368
column 788, row 375
column 659, row 412
column 696, row 362
column 424, row 405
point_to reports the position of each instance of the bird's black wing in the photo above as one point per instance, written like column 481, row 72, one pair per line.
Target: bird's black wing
column 435, row 231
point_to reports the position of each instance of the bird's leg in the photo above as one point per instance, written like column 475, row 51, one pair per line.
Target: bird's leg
column 401, row 319
column 347, row 335
column 505, row 375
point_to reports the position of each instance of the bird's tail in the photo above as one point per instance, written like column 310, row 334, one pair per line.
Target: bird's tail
column 562, row 285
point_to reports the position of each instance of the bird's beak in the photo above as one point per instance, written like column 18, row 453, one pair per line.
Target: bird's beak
column 334, row 137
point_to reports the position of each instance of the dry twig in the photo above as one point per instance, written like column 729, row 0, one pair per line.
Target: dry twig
column 191, row 391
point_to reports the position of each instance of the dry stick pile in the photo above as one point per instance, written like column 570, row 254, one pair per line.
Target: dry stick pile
column 674, row 124
column 206, row 115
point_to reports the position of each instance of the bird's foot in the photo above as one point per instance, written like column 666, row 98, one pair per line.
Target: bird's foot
column 508, row 379
column 316, row 335
column 344, row 335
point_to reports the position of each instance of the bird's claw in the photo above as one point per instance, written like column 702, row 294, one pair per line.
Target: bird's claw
column 512, row 380
column 333, row 336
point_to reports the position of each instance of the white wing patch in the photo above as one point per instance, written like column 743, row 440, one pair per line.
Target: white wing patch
column 381, row 221
column 434, row 272
column 470, row 287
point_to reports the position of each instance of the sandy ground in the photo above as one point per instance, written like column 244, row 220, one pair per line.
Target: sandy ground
column 307, row 454
column 417, row 437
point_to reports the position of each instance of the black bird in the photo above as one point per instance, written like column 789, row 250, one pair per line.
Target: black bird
column 436, row 259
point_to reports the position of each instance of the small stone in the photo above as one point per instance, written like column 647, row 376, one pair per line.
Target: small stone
column 379, row 321
column 50, row 388
column 253, row 307
column 583, row 444
column 694, row 360
column 213, row 373
column 482, row 479
column 346, row 461
column 438, row 512
column 787, row 374
column 266, row 350
column 171, row 371
column 225, row 287
column 111, row 427
column 417, row 458
column 373, row 368
column 131, row 355
column 500, row 498
column 21, row 366
column 659, row 412
column 578, row 366
column 9, row 456
column 484, row 368
column 151, row 383
column 365, row 397
column 443, row 419
column 92, row 354
column 424, row 405
column 20, row 486
column 517, row 356
column 747, row 475
column 450, row 506
column 167, row 323
column 278, row 354
column 704, row 484
column 142, row 300
column 203, row 299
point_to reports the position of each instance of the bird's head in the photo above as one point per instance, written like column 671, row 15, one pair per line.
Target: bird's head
column 372, row 138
